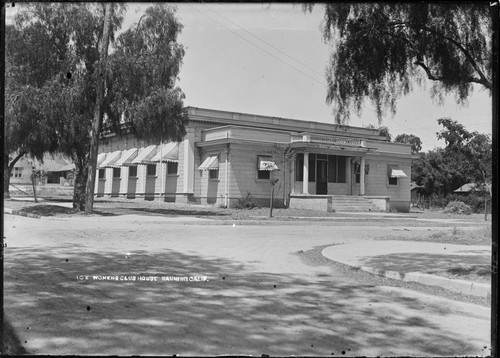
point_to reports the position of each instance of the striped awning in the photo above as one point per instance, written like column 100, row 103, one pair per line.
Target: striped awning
column 126, row 158
column 145, row 155
column 211, row 163
column 168, row 152
column 111, row 159
column 267, row 165
column 100, row 158
column 395, row 172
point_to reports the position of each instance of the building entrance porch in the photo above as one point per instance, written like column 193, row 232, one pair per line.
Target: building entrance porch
column 327, row 174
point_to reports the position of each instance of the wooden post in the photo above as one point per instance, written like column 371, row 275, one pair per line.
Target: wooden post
column 272, row 200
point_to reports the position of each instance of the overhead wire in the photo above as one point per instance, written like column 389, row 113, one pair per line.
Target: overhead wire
column 289, row 57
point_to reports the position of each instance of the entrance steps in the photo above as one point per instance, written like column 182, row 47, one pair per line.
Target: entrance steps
column 339, row 203
column 348, row 203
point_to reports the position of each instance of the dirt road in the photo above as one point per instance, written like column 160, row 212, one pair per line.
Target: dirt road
column 220, row 289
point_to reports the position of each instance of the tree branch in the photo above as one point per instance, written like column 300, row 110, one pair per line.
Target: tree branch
column 433, row 77
column 483, row 80
column 14, row 161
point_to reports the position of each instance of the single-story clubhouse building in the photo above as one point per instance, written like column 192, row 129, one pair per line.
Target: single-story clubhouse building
column 226, row 155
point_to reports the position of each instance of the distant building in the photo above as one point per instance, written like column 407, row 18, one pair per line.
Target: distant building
column 58, row 169
column 226, row 155
column 470, row 187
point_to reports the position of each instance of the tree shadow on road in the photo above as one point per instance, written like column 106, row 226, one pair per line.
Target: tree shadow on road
column 237, row 311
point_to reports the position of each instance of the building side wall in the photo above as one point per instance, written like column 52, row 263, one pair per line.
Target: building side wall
column 244, row 174
column 377, row 182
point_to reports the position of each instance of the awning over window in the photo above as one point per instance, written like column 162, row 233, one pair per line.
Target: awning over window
column 111, row 159
column 100, row 158
column 395, row 172
column 211, row 163
column 145, row 155
column 267, row 165
column 168, row 152
column 126, row 158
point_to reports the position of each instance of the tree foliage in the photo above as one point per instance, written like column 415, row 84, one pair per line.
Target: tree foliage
column 52, row 69
column 416, row 142
column 381, row 50
column 467, row 158
column 142, row 76
column 383, row 131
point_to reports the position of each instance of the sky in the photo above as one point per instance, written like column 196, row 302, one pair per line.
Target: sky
column 270, row 59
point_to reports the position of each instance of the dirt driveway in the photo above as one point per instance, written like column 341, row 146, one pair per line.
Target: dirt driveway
column 225, row 290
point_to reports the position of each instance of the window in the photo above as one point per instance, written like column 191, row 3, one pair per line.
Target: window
column 393, row 181
column 116, row 172
column 102, row 173
column 132, row 171
column 172, row 167
column 17, row 172
column 263, row 174
column 357, row 174
column 336, row 169
column 213, row 174
column 151, row 169
column 265, row 165
column 394, row 173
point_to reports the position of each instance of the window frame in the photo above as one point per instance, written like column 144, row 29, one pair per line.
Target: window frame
column 169, row 168
column 132, row 175
column 115, row 171
column 213, row 174
column 148, row 167
column 265, row 173
column 103, row 176
column 389, row 179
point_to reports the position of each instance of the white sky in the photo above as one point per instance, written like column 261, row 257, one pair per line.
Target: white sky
column 270, row 59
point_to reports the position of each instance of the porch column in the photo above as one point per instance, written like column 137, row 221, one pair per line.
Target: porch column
column 362, row 177
column 292, row 173
column 305, row 176
column 188, row 159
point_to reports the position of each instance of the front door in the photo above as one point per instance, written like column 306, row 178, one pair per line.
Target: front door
column 321, row 177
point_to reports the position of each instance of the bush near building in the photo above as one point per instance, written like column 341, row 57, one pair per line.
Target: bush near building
column 457, row 207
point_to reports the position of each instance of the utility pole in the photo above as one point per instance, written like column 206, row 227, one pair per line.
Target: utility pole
column 98, row 112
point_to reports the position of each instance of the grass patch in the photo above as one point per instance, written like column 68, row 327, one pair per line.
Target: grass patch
column 477, row 236
column 47, row 210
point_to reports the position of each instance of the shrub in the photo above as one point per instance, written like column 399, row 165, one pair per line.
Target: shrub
column 474, row 199
column 248, row 202
column 457, row 207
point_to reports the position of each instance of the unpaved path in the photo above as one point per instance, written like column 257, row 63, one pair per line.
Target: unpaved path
column 259, row 296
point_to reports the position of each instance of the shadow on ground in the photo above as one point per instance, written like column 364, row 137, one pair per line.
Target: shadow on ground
column 238, row 311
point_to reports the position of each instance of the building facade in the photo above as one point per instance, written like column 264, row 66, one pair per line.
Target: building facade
column 226, row 155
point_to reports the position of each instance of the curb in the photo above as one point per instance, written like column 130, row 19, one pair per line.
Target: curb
column 462, row 286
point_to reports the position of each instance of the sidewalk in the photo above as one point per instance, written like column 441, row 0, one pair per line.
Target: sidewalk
column 415, row 261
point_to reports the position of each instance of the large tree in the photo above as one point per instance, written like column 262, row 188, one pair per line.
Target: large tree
column 416, row 142
column 467, row 158
column 139, row 85
column 381, row 50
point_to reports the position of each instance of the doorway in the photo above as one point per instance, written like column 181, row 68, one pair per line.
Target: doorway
column 321, row 176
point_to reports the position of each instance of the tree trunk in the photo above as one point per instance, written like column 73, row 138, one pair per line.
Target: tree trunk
column 33, row 183
column 98, row 114
column 81, row 177
column 494, row 12
column 6, row 178
column 7, row 170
